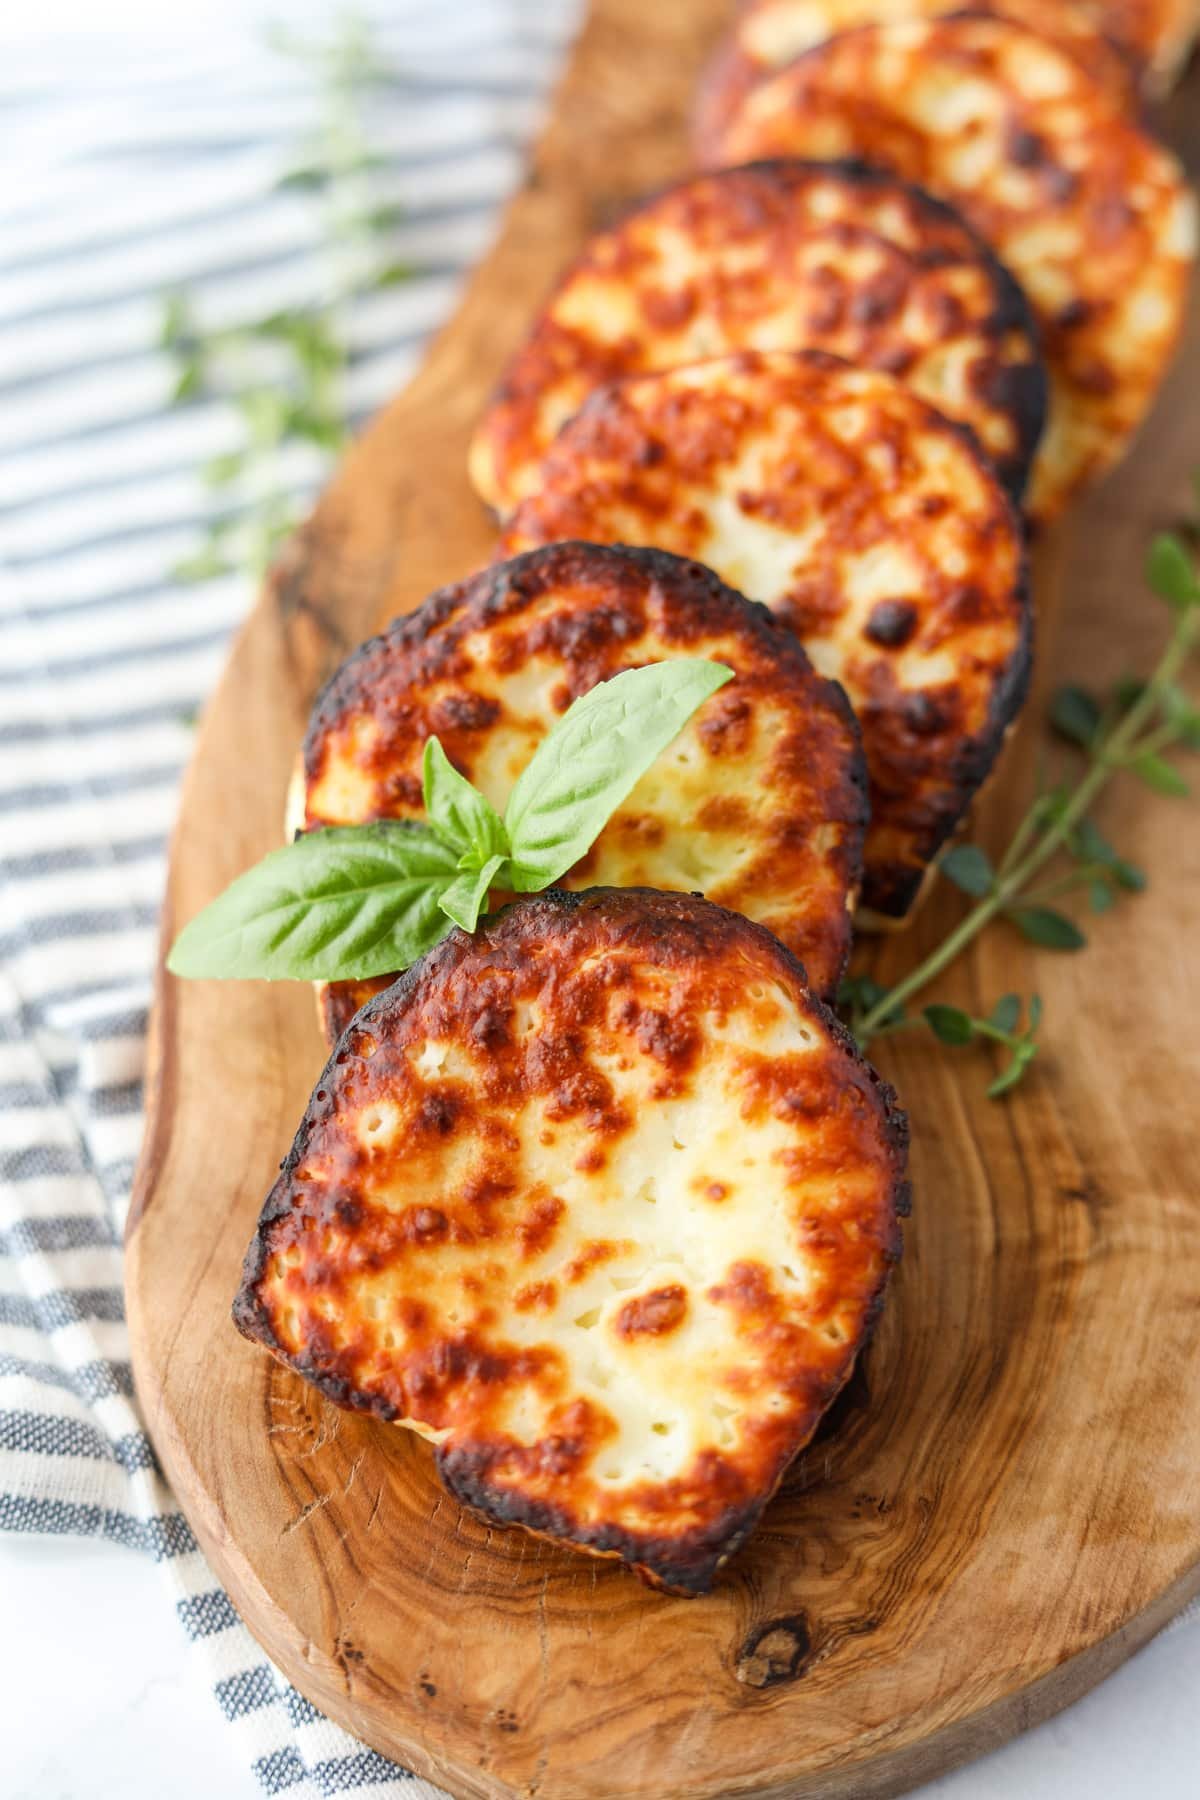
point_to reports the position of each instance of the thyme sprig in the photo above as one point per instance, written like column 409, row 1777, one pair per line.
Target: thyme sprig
column 284, row 374
column 1127, row 731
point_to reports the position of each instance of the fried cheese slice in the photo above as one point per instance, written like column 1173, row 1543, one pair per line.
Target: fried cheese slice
column 780, row 256
column 766, row 35
column 1093, row 217
column 760, row 802
column 602, row 1201
column 868, row 522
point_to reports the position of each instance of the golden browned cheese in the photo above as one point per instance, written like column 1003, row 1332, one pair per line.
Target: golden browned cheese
column 602, row 1201
column 776, row 257
column 870, row 523
column 1091, row 215
column 766, row 35
column 760, row 802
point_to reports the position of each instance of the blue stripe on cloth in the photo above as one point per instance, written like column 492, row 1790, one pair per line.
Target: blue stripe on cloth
column 245, row 1692
column 61, row 1307
column 49, row 1434
column 202, row 1615
column 364, row 1769
column 281, row 1770
column 163, row 1537
column 92, row 1381
column 38, row 1236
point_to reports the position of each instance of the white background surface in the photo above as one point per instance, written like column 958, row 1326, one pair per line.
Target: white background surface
column 100, row 1700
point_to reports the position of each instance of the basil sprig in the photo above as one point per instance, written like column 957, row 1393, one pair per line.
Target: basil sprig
column 347, row 902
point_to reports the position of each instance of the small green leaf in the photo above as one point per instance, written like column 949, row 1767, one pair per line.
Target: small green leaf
column 1128, row 689
column 1006, row 1012
column 1023, row 1054
column 219, row 471
column 458, row 813
column 304, row 181
column 1101, row 896
column 205, row 565
column 860, row 992
column 464, row 899
column 1170, row 572
column 593, row 758
column 188, row 383
column 391, row 275
column 969, row 868
column 1160, row 776
column 1052, row 930
column 949, row 1024
column 1035, row 1013
column 176, row 322
column 340, row 904
column 1075, row 714
column 1129, row 876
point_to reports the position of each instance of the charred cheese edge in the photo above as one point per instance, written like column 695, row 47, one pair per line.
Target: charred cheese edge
column 759, row 803
column 766, row 35
column 602, row 1201
column 1091, row 215
column 778, row 256
column 870, row 524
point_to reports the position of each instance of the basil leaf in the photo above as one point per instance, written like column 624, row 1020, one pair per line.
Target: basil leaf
column 463, row 900
column 458, row 812
column 343, row 904
column 593, row 758
column 969, row 868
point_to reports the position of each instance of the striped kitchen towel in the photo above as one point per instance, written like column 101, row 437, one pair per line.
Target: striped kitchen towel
column 149, row 154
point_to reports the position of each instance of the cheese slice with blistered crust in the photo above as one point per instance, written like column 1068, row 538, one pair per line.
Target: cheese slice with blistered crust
column 867, row 521
column 767, row 34
column 1092, row 216
column 759, row 802
column 602, row 1201
column 780, row 256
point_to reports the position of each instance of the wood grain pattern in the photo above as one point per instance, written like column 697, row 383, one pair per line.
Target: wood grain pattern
column 1017, row 1507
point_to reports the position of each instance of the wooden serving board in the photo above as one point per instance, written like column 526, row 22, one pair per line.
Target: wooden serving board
column 1008, row 1503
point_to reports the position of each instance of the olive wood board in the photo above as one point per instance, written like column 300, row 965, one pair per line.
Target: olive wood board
column 1008, row 1501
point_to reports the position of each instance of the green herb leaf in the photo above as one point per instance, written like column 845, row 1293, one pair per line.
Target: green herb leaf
column 464, row 899
column 1075, row 714
column 1129, row 876
column 1006, row 1012
column 950, row 1024
column 1100, row 896
column 969, row 868
column 205, row 565
column 458, row 813
column 188, row 383
column 219, row 471
column 1035, row 1013
column 860, row 993
column 1052, row 930
column 1160, row 776
column 593, row 758
column 302, row 181
column 339, row 904
column 391, row 275
column 1023, row 1054
column 1169, row 571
